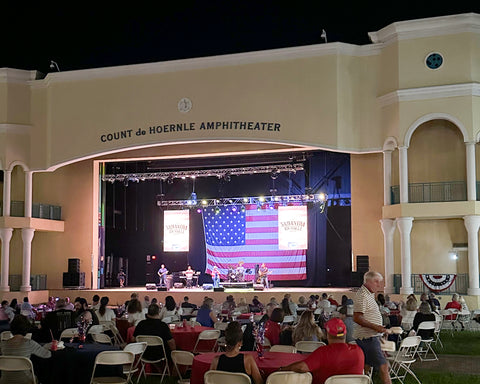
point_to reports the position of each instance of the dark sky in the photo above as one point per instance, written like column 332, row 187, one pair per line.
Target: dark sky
column 91, row 37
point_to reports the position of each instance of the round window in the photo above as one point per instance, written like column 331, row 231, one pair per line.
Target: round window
column 434, row 60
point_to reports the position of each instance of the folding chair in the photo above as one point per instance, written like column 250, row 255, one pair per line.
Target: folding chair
column 400, row 362
column 220, row 326
column 117, row 337
column 101, row 338
column 283, row 348
column 289, row 377
column 153, row 341
column 185, row 359
column 95, row 329
column 15, row 364
column 69, row 333
column 288, row 319
column 221, row 377
column 137, row 349
column 209, row 334
column 438, row 328
column 348, row 379
column 426, row 344
column 308, row 346
column 6, row 335
column 112, row 358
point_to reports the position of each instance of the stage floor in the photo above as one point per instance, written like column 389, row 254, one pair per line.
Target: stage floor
column 196, row 295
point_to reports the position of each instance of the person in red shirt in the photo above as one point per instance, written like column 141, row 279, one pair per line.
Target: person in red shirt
column 273, row 326
column 336, row 358
column 454, row 304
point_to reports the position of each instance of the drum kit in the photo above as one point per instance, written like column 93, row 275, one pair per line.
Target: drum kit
column 237, row 276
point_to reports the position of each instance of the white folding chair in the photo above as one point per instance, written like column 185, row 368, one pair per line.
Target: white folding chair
column 400, row 362
column 348, row 379
column 69, row 333
column 308, row 346
column 112, row 358
column 96, row 329
column 283, row 348
column 101, row 338
column 425, row 346
column 289, row 377
column 209, row 334
column 6, row 335
column 220, row 326
column 15, row 364
column 117, row 337
column 184, row 359
column 438, row 328
column 289, row 319
column 153, row 341
column 221, row 377
column 137, row 349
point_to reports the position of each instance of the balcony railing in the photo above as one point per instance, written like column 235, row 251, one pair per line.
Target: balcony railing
column 41, row 211
column 432, row 192
column 460, row 285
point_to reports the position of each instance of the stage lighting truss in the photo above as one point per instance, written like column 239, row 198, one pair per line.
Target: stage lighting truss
column 220, row 173
column 239, row 203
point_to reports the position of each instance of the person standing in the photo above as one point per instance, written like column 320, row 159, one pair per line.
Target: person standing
column 216, row 277
column 189, row 273
column 369, row 324
column 162, row 272
column 263, row 272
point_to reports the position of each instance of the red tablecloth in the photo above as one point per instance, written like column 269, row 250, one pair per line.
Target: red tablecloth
column 268, row 364
column 185, row 337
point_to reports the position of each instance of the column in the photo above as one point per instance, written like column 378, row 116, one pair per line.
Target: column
column 404, row 225
column 471, row 176
column 7, row 181
column 403, row 170
column 27, row 237
column 387, row 177
column 388, row 228
column 472, row 223
column 28, row 194
column 5, row 236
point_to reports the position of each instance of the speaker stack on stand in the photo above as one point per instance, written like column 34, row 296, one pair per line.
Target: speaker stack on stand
column 74, row 279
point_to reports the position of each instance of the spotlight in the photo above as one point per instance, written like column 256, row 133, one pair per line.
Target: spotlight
column 274, row 174
column 245, row 199
column 227, row 177
column 242, row 208
column 199, row 210
column 217, row 210
column 234, row 208
column 321, row 196
column 170, row 179
column 261, row 198
column 204, row 202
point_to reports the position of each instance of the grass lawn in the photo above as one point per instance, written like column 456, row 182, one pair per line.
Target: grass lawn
column 459, row 343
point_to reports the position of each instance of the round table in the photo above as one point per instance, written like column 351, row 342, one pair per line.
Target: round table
column 186, row 337
column 270, row 362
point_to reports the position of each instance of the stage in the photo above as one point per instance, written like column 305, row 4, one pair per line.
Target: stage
column 119, row 295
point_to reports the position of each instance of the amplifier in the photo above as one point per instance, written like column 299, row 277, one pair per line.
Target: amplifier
column 178, row 285
column 218, row 289
column 258, row 287
column 73, row 265
column 151, row 286
column 162, row 289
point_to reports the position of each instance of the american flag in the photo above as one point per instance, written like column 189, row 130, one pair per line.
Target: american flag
column 233, row 235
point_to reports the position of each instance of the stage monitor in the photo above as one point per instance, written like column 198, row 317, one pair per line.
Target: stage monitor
column 176, row 230
column 292, row 227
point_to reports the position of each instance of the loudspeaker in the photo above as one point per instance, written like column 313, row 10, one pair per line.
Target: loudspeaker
column 150, row 286
column 162, row 289
column 218, row 289
column 74, row 279
column 362, row 264
column 178, row 285
column 73, row 265
column 258, row 287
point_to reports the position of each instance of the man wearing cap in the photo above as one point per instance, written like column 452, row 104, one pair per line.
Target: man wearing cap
column 366, row 314
column 336, row 358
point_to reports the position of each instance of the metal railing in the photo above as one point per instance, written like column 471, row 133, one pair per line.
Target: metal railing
column 40, row 211
column 460, row 285
column 432, row 192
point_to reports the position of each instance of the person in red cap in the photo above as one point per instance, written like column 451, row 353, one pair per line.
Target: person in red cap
column 336, row 358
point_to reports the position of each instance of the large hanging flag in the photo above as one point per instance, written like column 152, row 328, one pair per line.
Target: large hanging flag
column 250, row 235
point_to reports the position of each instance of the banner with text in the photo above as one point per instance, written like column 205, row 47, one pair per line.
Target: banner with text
column 292, row 227
column 176, row 230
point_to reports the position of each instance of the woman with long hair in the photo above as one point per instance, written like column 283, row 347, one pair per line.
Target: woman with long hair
column 170, row 310
column 234, row 361
column 286, row 307
column 104, row 313
column 306, row 329
column 135, row 312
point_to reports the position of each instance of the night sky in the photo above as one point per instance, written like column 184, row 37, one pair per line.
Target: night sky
column 90, row 36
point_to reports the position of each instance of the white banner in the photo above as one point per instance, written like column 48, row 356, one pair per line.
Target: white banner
column 176, row 230
column 292, row 227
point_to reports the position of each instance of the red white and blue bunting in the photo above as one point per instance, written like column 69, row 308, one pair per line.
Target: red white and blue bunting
column 438, row 283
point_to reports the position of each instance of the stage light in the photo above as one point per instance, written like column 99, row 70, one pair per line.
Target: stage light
column 261, row 198
column 199, row 210
column 193, row 198
column 125, row 182
column 154, row 257
column 204, row 202
column 321, row 196
column 234, row 208
column 245, row 199
column 217, row 210
column 242, row 208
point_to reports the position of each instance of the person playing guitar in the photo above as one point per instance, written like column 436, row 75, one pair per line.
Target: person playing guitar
column 162, row 272
column 263, row 273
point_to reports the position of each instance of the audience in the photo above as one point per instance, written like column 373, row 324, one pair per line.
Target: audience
column 302, row 302
column 273, row 326
column 337, row 358
column 408, row 313
column 146, row 302
column 256, row 305
column 95, row 302
column 424, row 314
column 104, row 313
column 68, row 304
column 56, row 321
column 8, row 310
column 169, row 312
column 332, row 301
column 135, row 312
column 18, row 345
column 346, row 315
column 205, row 315
column 306, row 329
column 26, row 309
column 229, row 304
column 15, row 307
column 81, row 306
column 242, row 306
column 286, row 307
column 234, row 361
column 153, row 326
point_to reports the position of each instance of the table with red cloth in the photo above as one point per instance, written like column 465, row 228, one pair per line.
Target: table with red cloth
column 185, row 337
column 270, row 363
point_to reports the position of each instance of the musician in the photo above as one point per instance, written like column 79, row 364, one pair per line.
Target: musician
column 122, row 277
column 189, row 273
column 263, row 273
column 162, row 272
column 240, row 271
column 230, row 274
column 216, row 277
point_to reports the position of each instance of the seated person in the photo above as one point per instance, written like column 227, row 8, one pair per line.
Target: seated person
column 454, row 304
column 206, row 316
column 104, row 313
column 152, row 325
column 81, row 306
column 336, row 358
column 307, row 329
column 302, row 302
column 273, row 326
column 234, row 361
column 18, row 345
column 256, row 305
column 169, row 310
column 55, row 322
column 424, row 314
